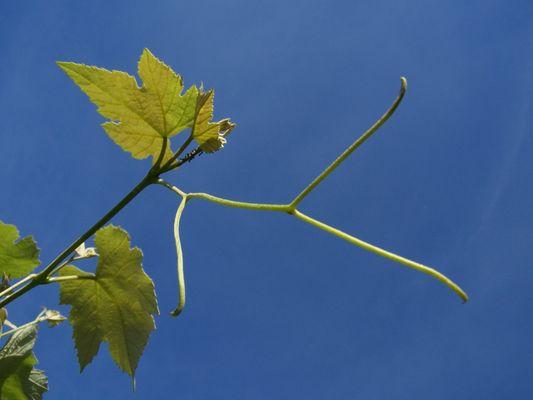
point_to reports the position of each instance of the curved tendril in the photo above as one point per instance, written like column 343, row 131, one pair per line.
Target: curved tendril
column 324, row 174
column 384, row 253
column 179, row 253
column 292, row 210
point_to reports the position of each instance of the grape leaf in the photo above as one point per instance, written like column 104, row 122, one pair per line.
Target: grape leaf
column 116, row 306
column 17, row 257
column 18, row 379
column 141, row 117
column 178, row 113
column 209, row 135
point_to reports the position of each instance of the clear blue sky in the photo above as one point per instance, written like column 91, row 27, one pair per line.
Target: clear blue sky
column 277, row 309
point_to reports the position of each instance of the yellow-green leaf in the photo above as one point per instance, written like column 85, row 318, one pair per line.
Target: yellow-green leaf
column 115, row 305
column 140, row 117
column 158, row 78
column 17, row 257
column 209, row 135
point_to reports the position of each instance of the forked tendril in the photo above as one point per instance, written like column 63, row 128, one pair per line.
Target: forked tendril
column 291, row 210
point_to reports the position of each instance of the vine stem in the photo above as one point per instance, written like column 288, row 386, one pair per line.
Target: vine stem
column 62, row 264
column 43, row 277
column 16, row 285
column 19, row 328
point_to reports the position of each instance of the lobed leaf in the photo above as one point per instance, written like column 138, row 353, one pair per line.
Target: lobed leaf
column 18, row 257
column 178, row 112
column 116, row 306
column 140, row 117
column 19, row 380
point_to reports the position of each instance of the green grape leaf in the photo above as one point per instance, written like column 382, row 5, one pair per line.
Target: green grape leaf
column 116, row 306
column 19, row 380
column 17, row 257
column 140, row 117
column 209, row 135
column 177, row 112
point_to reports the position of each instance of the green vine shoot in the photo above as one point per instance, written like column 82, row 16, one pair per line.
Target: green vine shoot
column 117, row 302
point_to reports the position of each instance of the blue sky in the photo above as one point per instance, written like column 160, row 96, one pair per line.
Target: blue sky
column 277, row 309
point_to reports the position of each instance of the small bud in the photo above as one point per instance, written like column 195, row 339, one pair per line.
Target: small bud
column 85, row 252
column 53, row 318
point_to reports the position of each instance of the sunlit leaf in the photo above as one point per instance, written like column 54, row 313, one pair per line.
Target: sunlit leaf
column 18, row 257
column 140, row 117
column 177, row 112
column 115, row 305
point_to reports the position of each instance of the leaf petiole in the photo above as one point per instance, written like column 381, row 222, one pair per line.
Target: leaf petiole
column 59, row 279
column 16, row 285
column 45, row 315
column 42, row 276
column 33, row 280
column 169, row 165
column 157, row 164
